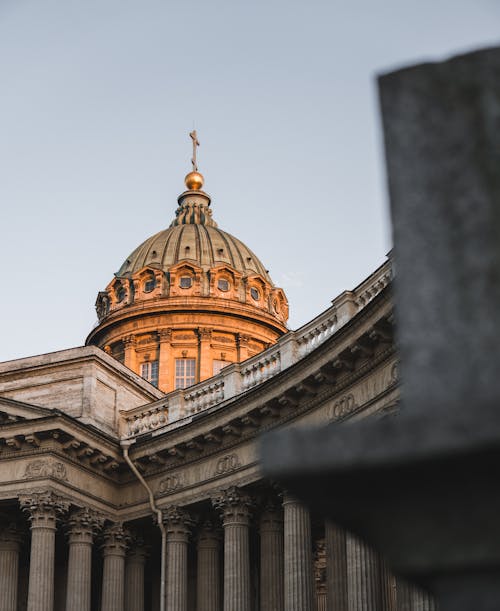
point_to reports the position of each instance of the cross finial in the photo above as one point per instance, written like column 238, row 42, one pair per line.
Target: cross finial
column 196, row 143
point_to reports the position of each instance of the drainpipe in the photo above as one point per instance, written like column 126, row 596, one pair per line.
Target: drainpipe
column 125, row 445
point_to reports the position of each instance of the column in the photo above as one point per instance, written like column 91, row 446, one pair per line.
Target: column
column 165, row 375
column 364, row 576
column 178, row 524
column 10, row 547
column 134, row 575
column 129, row 356
column 43, row 509
column 271, row 558
column 82, row 527
column 235, row 506
column 336, row 568
column 113, row 571
column 205, row 366
column 208, row 568
column 298, row 556
column 412, row 598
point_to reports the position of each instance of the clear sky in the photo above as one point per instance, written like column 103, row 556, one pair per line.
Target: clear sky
column 96, row 101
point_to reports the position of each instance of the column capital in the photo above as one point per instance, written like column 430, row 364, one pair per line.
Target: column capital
column 178, row 521
column 138, row 550
column 129, row 340
column 209, row 534
column 116, row 540
column 165, row 335
column 205, row 333
column 234, row 505
column 43, row 508
column 271, row 516
column 11, row 534
column 83, row 524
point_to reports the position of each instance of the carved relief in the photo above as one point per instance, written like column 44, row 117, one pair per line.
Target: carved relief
column 342, row 407
column 171, row 483
column 226, row 464
column 45, row 468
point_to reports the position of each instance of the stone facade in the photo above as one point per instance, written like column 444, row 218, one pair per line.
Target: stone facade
column 79, row 518
column 115, row 494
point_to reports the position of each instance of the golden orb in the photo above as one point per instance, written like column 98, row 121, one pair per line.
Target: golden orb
column 194, row 181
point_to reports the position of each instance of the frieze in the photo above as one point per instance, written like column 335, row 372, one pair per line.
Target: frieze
column 224, row 340
column 226, row 464
column 45, row 468
column 342, row 407
column 171, row 483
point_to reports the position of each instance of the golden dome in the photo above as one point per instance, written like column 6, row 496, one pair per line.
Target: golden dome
column 194, row 181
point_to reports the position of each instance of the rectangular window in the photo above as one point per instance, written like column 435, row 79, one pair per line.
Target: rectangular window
column 149, row 371
column 218, row 365
column 184, row 372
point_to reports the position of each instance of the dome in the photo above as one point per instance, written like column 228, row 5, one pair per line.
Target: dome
column 190, row 300
column 204, row 245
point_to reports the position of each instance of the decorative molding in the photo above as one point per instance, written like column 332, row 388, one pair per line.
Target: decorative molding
column 46, row 468
column 227, row 464
column 171, row 483
column 342, row 407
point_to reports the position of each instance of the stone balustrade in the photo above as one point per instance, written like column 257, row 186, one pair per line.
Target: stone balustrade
column 203, row 396
column 238, row 377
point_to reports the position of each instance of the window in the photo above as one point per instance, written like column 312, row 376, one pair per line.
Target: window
column 120, row 293
column 185, row 282
column 223, row 284
column 184, row 372
column 149, row 284
column 218, row 365
column 149, row 371
column 255, row 293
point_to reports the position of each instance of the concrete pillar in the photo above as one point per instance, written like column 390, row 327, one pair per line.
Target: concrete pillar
column 114, row 549
column 10, row 547
column 336, row 568
column 82, row 527
column 271, row 558
column 43, row 509
column 134, row 575
column 364, row 576
column 235, row 508
column 298, row 556
column 178, row 523
column 208, row 569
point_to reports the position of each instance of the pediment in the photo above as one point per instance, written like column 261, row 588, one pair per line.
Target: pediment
column 16, row 411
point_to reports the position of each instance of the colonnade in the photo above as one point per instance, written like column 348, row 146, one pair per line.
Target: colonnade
column 356, row 579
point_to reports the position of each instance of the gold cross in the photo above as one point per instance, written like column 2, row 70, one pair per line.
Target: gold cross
column 195, row 144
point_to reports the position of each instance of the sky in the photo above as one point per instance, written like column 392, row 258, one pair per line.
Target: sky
column 97, row 99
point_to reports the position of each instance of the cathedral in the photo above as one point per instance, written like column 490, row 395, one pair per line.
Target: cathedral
column 130, row 477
